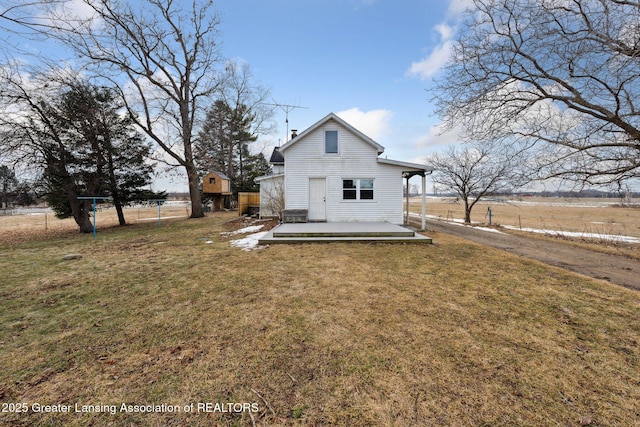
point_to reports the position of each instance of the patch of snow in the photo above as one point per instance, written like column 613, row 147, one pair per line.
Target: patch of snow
column 461, row 222
column 489, row 230
column 561, row 204
column 162, row 217
column 245, row 230
column 250, row 242
column 598, row 236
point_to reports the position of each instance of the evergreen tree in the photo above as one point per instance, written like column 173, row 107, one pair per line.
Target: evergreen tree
column 253, row 166
column 98, row 154
column 8, row 186
column 214, row 147
column 223, row 145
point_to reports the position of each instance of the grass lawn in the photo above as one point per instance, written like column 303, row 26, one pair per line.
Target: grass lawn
column 328, row 334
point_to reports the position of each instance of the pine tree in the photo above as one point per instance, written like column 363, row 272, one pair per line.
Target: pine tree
column 8, row 186
column 101, row 154
column 223, row 145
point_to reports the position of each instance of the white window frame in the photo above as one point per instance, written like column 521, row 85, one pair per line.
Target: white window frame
column 337, row 143
column 358, row 189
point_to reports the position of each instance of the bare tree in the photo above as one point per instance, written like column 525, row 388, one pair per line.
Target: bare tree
column 476, row 170
column 240, row 88
column 272, row 200
column 564, row 74
column 233, row 122
column 163, row 57
column 72, row 140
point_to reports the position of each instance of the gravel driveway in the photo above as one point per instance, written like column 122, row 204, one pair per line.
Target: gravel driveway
column 613, row 268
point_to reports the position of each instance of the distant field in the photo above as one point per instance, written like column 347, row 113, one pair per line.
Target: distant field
column 599, row 216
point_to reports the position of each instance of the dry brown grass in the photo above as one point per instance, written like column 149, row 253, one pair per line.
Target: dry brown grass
column 22, row 228
column 579, row 215
column 344, row 334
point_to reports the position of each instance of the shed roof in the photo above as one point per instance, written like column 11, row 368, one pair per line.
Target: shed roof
column 220, row 174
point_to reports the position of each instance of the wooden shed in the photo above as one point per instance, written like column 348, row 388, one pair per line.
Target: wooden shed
column 217, row 185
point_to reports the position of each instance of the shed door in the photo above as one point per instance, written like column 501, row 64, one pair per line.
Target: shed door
column 317, row 199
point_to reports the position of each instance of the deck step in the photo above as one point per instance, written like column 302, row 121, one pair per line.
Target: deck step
column 270, row 239
column 346, row 233
column 344, row 229
column 341, row 232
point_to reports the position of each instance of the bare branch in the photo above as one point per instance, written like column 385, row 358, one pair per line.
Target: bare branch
column 556, row 73
column 164, row 58
column 476, row 170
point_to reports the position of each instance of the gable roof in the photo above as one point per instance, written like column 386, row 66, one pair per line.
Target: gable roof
column 334, row 117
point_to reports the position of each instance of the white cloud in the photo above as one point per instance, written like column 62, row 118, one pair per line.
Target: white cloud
column 446, row 31
column 430, row 65
column 374, row 123
column 440, row 54
column 458, row 7
column 80, row 9
column 74, row 11
column 438, row 135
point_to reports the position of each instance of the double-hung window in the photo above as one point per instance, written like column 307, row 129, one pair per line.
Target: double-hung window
column 357, row 189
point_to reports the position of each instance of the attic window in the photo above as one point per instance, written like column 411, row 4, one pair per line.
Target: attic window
column 212, row 180
column 331, row 142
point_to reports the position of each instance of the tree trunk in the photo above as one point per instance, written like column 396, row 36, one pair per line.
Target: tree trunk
column 84, row 222
column 194, row 191
column 467, row 212
column 119, row 211
column 80, row 210
column 113, row 183
column 217, row 203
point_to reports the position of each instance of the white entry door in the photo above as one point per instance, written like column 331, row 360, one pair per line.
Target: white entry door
column 317, row 199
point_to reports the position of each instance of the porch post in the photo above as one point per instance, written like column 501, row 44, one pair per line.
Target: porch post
column 406, row 217
column 424, row 201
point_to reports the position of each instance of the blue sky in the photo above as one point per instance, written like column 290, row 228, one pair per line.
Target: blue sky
column 370, row 61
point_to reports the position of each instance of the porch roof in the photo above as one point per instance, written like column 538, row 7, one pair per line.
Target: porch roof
column 408, row 169
column 265, row 177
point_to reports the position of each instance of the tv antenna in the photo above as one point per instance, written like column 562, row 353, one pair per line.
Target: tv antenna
column 287, row 109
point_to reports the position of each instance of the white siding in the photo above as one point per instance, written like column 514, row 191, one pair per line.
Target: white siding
column 356, row 159
column 271, row 193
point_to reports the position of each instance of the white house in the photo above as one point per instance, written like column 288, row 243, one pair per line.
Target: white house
column 334, row 172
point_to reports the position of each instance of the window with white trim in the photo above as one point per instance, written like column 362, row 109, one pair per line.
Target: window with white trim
column 357, row 189
column 331, row 142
